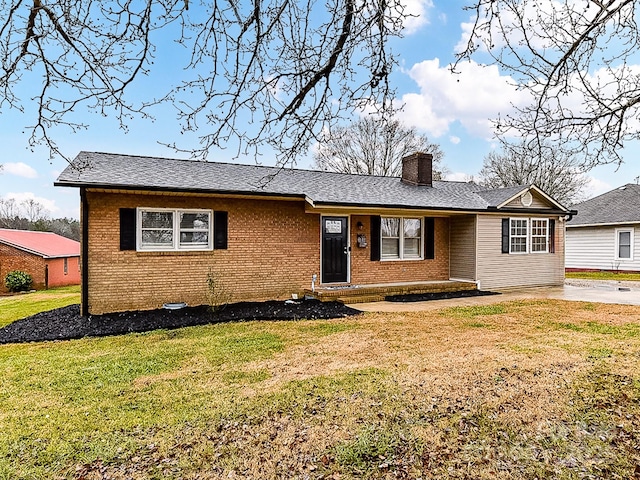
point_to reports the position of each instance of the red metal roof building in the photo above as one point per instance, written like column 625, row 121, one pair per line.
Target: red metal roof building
column 52, row 260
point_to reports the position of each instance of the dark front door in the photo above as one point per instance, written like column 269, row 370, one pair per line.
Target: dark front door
column 335, row 249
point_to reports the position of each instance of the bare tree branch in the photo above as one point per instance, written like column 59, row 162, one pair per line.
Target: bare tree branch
column 257, row 72
column 579, row 62
column 549, row 168
column 374, row 146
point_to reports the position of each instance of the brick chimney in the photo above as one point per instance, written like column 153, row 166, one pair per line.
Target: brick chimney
column 417, row 169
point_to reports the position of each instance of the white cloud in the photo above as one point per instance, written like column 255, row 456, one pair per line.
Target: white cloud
column 19, row 169
column 416, row 15
column 20, row 197
column 595, row 187
column 458, row 177
column 471, row 97
column 455, row 140
column 531, row 13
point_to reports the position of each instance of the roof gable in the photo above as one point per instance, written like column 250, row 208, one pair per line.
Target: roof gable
column 103, row 170
column 44, row 244
column 618, row 206
column 516, row 197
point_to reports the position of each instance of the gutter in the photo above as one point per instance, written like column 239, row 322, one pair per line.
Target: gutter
column 142, row 188
column 313, row 203
column 37, row 253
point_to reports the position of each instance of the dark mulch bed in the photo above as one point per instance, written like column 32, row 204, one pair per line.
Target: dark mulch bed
column 66, row 323
column 423, row 297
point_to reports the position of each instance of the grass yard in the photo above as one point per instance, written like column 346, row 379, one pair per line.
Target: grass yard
column 604, row 276
column 530, row 389
column 18, row 306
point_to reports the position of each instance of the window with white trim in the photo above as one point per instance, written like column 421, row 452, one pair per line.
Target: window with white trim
column 624, row 243
column 402, row 238
column 539, row 235
column 518, row 235
column 174, row 229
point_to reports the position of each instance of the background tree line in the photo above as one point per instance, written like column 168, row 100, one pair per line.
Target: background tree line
column 32, row 215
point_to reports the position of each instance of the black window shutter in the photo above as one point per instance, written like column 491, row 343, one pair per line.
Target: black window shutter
column 375, row 238
column 127, row 229
column 429, row 238
column 552, row 236
column 220, row 228
column 505, row 235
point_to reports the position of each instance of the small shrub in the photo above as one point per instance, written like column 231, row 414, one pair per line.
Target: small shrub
column 217, row 295
column 17, row 281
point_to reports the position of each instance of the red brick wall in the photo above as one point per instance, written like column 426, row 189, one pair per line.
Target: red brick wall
column 15, row 259
column 364, row 271
column 57, row 277
column 273, row 250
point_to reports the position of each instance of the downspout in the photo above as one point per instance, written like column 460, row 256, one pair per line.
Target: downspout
column 84, row 254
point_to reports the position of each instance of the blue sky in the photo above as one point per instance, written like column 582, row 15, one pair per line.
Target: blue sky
column 453, row 112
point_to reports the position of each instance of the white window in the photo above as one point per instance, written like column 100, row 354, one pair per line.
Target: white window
column 539, row 235
column 174, row 229
column 518, row 235
column 624, row 244
column 402, row 238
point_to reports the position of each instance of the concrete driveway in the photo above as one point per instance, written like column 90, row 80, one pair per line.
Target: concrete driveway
column 624, row 293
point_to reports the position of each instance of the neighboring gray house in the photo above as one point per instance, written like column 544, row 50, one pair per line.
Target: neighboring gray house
column 605, row 235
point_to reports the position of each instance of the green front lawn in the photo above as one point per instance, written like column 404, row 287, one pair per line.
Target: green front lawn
column 604, row 276
column 528, row 389
column 23, row 305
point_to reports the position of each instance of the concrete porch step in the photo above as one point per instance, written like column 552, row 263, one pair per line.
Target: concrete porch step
column 378, row 292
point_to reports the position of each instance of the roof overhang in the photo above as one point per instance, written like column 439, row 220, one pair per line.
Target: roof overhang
column 609, row 224
column 326, row 207
column 318, row 206
column 35, row 252
column 141, row 190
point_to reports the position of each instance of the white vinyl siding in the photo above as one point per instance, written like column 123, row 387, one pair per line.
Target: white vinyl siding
column 496, row 270
column 595, row 248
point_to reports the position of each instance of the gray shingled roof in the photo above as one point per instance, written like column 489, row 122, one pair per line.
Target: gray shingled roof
column 107, row 170
column 621, row 205
column 500, row 195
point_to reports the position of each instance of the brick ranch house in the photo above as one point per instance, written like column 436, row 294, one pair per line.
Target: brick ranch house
column 153, row 227
column 50, row 259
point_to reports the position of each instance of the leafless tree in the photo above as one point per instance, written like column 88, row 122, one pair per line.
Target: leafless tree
column 258, row 72
column 577, row 59
column 21, row 215
column 34, row 210
column 555, row 172
column 374, row 146
column 8, row 212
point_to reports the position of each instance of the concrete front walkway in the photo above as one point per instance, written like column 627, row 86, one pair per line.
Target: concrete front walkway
column 598, row 292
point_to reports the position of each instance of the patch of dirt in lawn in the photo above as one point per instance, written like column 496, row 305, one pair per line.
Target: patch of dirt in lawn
column 66, row 323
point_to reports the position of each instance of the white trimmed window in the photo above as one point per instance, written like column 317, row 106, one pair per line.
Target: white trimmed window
column 402, row 238
column 174, row 229
column 539, row 235
column 518, row 235
column 624, row 243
